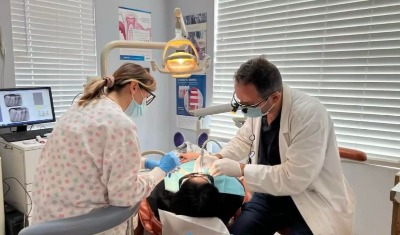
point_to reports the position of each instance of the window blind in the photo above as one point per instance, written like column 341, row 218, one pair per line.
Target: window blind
column 54, row 45
column 345, row 52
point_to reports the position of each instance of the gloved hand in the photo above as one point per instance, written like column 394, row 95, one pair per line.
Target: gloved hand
column 169, row 162
column 151, row 163
column 207, row 162
column 226, row 167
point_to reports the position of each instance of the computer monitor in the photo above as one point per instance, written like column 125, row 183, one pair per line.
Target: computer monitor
column 20, row 107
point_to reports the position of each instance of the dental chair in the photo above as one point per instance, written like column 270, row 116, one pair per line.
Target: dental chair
column 95, row 222
column 153, row 226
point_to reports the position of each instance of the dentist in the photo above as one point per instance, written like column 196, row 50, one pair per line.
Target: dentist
column 293, row 163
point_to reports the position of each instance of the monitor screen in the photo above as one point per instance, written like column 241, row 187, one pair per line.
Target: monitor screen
column 26, row 106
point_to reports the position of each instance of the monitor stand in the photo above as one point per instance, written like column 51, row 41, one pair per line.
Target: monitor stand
column 22, row 128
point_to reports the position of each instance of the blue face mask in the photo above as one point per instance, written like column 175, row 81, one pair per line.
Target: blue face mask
column 254, row 112
column 134, row 109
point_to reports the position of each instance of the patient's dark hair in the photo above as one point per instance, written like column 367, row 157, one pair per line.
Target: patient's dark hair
column 197, row 200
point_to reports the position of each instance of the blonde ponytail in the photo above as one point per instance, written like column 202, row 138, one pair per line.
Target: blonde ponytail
column 125, row 74
column 92, row 91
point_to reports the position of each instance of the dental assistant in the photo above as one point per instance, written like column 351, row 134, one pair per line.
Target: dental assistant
column 92, row 158
column 293, row 163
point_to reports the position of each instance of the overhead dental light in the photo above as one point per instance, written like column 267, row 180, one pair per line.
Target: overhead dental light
column 181, row 64
column 176, row 60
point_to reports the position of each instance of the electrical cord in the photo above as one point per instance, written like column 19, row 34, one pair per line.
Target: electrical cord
column 251, row 138
column 80, row 93
column 29, row 196
column 7, row 189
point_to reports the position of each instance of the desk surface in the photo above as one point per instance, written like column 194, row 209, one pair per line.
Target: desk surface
column 31, row 145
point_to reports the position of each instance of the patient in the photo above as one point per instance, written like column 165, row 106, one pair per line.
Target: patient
column 197, row 197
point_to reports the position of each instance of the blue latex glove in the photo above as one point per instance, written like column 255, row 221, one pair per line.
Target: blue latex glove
column 169, row 162
column 151, row 163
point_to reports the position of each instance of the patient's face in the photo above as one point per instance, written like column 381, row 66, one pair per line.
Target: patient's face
column 197, row 178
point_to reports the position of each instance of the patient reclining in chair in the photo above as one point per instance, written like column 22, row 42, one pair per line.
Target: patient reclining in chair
column 197, row 194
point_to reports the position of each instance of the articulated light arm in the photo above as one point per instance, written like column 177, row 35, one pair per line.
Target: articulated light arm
column 178, row 64
column 180, row 27
column 181, row 64
column 125, row 44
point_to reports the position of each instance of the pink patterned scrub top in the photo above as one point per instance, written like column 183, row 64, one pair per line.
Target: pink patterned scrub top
column 91, row 160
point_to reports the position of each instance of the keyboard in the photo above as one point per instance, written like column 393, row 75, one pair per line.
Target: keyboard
column 25, row 135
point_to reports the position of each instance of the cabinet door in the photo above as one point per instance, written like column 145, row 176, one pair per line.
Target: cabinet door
column 31, row 161
column 13, row 174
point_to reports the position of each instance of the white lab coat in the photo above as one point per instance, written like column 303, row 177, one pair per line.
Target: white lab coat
column 310, row 172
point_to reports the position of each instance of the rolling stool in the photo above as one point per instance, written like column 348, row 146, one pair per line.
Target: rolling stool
column 97, row 221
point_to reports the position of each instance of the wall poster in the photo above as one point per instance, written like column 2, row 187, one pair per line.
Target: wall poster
column 191, row 95
column 196, row 26
column 134, row 25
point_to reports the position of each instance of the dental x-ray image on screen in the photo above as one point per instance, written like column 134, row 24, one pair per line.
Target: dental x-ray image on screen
column 19, row 114
column 12, row 100
column 22, row 106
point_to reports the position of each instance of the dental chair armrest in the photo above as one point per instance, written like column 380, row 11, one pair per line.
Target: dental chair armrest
column 149, row 221
column 352, row 154
column 97, row 221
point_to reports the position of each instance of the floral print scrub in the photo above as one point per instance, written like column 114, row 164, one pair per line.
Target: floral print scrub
column 91, row 160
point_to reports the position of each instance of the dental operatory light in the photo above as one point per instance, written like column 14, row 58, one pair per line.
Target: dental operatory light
column 176, row 60
column 181, row 64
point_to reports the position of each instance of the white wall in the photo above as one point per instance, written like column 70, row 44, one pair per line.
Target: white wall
column 153, row 126
column 7, row 74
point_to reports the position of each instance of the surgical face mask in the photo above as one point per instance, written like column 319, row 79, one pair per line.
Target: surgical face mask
column 134, row 109
column 254, row 112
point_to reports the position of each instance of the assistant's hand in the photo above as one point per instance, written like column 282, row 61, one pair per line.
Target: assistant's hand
column 187, row 157
column 226, row 167
column 151, row 163
column 207, row 162
column 169, row 162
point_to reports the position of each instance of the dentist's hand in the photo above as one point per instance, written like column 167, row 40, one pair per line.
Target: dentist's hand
column 207, row 162
column 151, row 163
column 169, row 162
column 226, row 167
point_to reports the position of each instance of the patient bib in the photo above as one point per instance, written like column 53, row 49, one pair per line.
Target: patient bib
column 180, row 224
column 224, row 184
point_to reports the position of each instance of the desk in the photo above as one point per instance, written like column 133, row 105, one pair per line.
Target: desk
column 19, row 161
column 395, row 198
